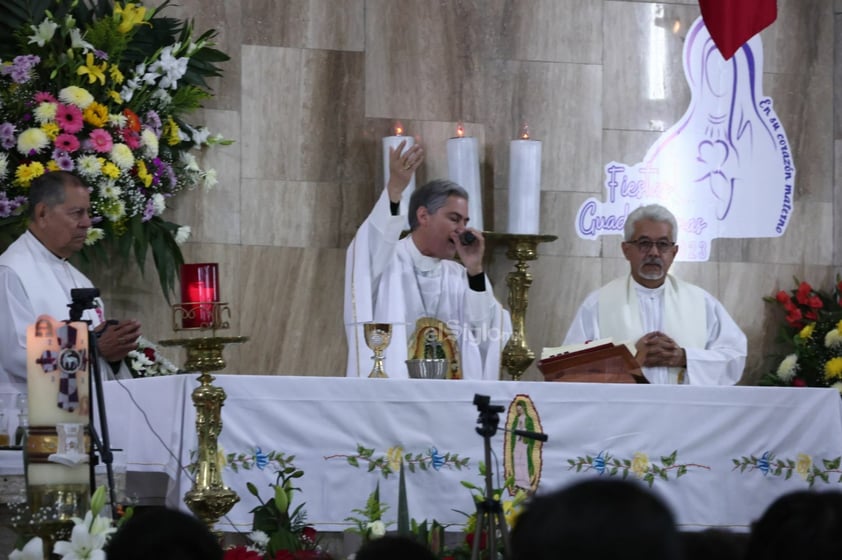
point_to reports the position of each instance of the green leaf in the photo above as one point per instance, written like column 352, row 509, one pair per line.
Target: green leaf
column 353, row 461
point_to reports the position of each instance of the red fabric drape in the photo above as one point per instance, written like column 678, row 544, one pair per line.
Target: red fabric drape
column 733, row 22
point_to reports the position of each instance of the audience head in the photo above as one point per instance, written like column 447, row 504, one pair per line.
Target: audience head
column 649, row 245
column 394, row 548
column 59, row 212
column 713, row 543
column 435, row 210
column 163, row 534
column 596, row 519
column 805, row 525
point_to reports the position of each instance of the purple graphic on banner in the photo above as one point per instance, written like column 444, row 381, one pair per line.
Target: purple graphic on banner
column 724, row 169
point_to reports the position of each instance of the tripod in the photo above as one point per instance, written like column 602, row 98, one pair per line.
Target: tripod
column 490, row 516
column 83, row 299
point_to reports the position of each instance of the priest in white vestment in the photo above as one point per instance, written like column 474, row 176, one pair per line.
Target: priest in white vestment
column 682, row 334
column 415, row 285
column 36, row 279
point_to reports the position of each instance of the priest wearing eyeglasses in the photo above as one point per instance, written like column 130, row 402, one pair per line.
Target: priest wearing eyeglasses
column 682, row 334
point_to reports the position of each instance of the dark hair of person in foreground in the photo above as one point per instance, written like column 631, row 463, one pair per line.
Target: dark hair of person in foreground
column 393, row 547
column 806, row 525
column 163, row 534
column 599, row 519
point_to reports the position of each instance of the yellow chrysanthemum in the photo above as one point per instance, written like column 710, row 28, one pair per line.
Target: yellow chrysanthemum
column 45, row 112
column 96, row 115
column 143, row 174
column 113, row 209
column 833, row 369
column 115, row 96
column 807, row 331
column 92, row 70
column 171, row 132
column 76, row 96
column 51, row 129
column 52, row 165
column 110, row 170
column 94, row 235
column 26, row 173
column 32, row 140
column 122, row 156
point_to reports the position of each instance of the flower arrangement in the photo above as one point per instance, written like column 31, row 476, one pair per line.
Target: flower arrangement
column 812, row 337
column 103, row 89
column 87, row 538
column 277, row 533
column 147, row 361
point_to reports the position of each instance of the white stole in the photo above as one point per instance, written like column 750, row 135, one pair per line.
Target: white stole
column 683, row 314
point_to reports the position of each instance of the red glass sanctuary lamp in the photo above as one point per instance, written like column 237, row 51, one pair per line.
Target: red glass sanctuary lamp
column 199, row 291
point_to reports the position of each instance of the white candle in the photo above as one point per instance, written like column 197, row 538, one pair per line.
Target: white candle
column 46, row 350
column 463, row 169
column 524, row 185
column 393, row 142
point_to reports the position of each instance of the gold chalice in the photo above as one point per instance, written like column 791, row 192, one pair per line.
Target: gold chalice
column 377, row 337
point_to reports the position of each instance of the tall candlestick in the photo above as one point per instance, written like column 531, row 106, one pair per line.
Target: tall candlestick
column 524, row 184
column 463, row 169
column 393, row 142
column 199, row 286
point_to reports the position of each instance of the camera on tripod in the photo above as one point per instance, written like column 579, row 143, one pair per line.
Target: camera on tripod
column 82, row 299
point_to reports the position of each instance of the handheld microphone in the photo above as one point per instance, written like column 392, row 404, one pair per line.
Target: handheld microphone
column 467, row 238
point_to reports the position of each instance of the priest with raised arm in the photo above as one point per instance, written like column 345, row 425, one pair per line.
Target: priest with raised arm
column 438, row 308
column 682, row 333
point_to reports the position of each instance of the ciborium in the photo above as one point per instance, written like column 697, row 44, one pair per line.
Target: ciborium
column 377, row 338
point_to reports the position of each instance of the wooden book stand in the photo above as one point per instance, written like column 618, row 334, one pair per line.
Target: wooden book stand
column 606, row 363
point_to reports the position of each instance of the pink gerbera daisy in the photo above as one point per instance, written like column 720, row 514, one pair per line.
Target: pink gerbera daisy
column 69, row 118
column 67, row 142
column 45, row 97
column 101, row 141
column 131, row 138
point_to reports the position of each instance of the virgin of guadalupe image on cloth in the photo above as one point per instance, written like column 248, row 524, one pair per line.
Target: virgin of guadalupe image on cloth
column 523, row 460
column 433, row 340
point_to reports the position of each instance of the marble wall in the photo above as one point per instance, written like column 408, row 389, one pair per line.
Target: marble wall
column 312, row 86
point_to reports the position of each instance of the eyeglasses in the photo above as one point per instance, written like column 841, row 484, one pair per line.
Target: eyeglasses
column 644, row 245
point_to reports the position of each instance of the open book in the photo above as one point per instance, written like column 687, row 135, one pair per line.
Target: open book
column 599, row 361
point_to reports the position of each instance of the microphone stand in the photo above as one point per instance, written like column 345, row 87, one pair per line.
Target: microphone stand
column 102, row 445
column 489, row 515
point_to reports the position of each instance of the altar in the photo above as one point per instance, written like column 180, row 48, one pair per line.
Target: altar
column 718, row 455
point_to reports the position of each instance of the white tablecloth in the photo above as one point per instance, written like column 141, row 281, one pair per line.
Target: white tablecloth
column 712, row 431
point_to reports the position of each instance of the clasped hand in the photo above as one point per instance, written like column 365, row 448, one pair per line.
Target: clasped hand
column 117, row 339
column 656, row 349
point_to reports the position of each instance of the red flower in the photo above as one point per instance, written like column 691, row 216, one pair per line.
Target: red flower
column 803, row 293
column 132, row 120
column 794, row 319
column 241, row 553
column 811, row 315
column 284, row 555
column 483, row 540
column 783, row 297
column 149, row 353
column 307, row 554
column 309, row 533
column 815, row 302
column 798, row 382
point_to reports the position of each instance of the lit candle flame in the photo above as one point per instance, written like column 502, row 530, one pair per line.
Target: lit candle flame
column 524, row 132
column 676, row 26
column 460, row 130
column 398, row 129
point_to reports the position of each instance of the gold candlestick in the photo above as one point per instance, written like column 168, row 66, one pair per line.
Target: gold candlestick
column 517, row 355
column 209, row 498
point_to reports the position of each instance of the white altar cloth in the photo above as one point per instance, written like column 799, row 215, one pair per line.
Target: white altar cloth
column 713, row 431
